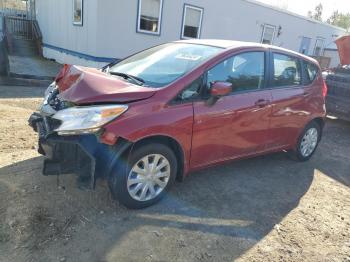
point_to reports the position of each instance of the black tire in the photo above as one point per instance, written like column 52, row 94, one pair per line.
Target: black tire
column 297, row 154
column 118, row 178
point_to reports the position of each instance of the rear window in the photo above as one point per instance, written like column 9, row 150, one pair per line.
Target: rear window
column 311, row 71
column 286, row 70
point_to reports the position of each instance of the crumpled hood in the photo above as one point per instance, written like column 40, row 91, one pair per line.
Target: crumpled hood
column 82, row 85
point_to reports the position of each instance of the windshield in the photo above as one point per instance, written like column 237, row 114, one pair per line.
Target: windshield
column 161, row 65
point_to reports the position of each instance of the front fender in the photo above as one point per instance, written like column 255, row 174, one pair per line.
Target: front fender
column 144, row 120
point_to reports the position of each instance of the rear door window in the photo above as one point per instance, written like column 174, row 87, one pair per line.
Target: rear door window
column 287, row 71
column 246, row 71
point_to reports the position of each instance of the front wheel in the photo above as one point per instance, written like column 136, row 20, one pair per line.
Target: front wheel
column 146, row 177
column 308, row 141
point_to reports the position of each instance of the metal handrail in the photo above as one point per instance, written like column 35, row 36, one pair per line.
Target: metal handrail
column 19, row 27
column 22, row 28
column 36, row 30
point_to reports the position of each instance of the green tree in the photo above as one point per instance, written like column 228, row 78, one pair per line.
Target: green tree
column 340, row 19
column 317, row 14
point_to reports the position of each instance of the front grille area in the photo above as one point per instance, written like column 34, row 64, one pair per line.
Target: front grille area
column 52, row 123
column 46, row 126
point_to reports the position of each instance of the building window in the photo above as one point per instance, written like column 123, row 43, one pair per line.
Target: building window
column 149, row 16
column 192, row 22
column 305, row 45
column 78, row 12
column 268, row 34
column 318, row 47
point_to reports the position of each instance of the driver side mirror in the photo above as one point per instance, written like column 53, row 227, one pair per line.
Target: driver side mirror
column 219, row 89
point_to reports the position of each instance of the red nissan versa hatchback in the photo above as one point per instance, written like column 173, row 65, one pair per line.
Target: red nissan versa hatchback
column 155, row 116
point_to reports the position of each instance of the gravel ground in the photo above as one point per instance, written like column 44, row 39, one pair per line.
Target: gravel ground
column 263, row 209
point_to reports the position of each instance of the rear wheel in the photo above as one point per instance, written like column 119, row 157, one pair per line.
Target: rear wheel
column 308, row 142
column 146, row 176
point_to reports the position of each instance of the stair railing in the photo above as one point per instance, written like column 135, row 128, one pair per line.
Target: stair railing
column 19, row 27
column 37, row 35
column 22, row 28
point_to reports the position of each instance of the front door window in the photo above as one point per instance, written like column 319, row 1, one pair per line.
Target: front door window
column 245, row 71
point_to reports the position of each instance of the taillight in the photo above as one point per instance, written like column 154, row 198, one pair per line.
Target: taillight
column 324, row 89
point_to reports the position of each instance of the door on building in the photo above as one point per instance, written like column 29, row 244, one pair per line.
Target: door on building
column 305, row 45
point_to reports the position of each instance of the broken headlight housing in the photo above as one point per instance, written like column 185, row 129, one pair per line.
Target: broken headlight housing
column 49, row 91
column 86, row 120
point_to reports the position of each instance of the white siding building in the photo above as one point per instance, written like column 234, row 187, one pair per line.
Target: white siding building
column 94, row 32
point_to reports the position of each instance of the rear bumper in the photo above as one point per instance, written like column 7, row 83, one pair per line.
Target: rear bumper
column 83, row 155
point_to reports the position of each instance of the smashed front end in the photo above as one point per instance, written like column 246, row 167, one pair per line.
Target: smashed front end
column 69, row 138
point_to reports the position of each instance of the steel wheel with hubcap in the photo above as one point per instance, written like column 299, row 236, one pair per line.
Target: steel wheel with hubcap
column 308, row 141
column 143, row 177
column 148, row 177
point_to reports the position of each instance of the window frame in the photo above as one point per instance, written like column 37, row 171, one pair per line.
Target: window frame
column 205, row 88
column 138, row 19
column 81, row 23
column 322, row 46
column 197, row 8
column 272, row 70
column 308, row 47
column 264, row 30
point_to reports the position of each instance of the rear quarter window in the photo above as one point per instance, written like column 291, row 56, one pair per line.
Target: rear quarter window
column 286, row 70
column 311, row 71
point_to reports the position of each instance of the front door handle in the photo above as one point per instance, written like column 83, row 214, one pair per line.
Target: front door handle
column 262, row 103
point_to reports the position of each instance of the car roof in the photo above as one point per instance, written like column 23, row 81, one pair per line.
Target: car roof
column 231, row 44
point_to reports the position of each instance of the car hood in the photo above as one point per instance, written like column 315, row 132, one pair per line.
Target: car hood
column 82, row 85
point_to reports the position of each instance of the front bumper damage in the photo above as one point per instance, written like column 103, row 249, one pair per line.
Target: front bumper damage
column 83, row 155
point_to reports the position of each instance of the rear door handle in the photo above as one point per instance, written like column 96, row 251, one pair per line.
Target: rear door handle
column 262, row 103
column 306, row 93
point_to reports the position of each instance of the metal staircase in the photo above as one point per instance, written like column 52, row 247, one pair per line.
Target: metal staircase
column 20, row 28
column 23, row 36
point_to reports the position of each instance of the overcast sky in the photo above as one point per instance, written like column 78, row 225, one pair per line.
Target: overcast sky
column 303, row 6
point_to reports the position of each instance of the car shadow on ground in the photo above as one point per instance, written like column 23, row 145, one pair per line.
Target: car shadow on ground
column 334, row 153
column 215, row 214
column 239, row 202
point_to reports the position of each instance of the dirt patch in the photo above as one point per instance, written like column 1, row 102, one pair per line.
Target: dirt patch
column 263, row 209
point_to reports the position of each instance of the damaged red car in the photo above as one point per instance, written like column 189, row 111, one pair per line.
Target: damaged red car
column 150, row 119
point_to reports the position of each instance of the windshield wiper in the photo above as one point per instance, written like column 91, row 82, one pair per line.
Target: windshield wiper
column 137, row 80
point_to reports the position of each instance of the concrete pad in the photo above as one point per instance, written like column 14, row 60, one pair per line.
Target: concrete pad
column 14, row 81
column 33, row 67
